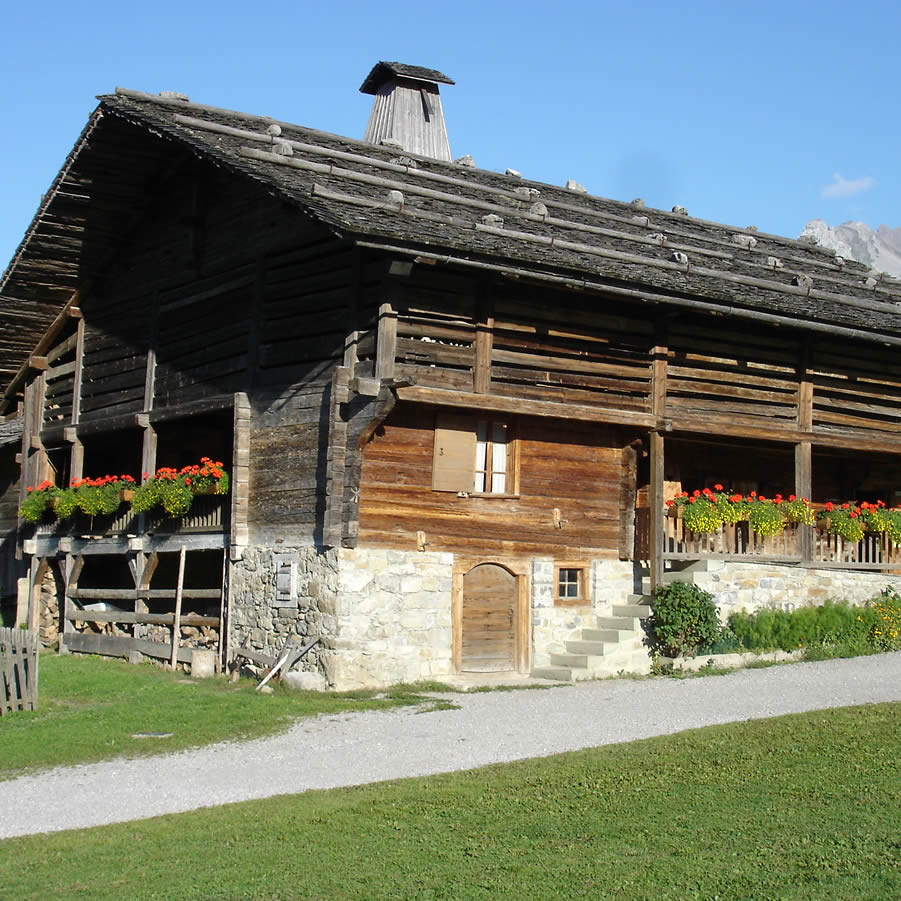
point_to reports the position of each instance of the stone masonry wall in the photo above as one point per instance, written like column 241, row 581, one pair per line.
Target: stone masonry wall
column 610, row 582
column 264, row 623
column 750, row 586
column 393, row 615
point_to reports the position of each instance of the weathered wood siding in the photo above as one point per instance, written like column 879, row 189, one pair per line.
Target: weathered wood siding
column 288, row 464
column 219, row 287
column 574, row 468
column 10, row 568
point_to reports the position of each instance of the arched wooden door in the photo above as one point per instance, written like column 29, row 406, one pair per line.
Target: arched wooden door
column 489, row 618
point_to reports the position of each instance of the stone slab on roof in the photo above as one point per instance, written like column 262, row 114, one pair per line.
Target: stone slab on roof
column 362, row 190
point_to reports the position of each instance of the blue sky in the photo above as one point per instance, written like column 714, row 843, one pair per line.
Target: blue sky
column 764, row 113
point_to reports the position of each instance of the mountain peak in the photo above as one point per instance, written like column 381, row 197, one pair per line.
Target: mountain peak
column 879, row 249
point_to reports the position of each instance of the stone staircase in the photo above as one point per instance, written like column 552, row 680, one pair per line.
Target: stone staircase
column 615, row 644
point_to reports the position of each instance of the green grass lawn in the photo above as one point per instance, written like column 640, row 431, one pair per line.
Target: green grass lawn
column 799, row 807
column 89, row 709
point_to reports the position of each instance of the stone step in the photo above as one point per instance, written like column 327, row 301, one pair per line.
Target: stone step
column 555, row 673
column 642, row 600
column 639, row 611
column 590, row 648
column 620, row 623
column 606, row 635
column 573, row 661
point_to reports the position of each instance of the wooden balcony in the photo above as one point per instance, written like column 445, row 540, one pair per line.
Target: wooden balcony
column 206, row 524
column 739, row 542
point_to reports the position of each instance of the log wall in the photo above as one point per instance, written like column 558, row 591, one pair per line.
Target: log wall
column 575, row 469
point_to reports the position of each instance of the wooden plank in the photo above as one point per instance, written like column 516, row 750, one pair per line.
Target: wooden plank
column 58, row 372
column 656, row 505
column 122, row 646
column 493, row 403
column 176, row 630
column 129, row 594
column 64, row 347
column 78, row 615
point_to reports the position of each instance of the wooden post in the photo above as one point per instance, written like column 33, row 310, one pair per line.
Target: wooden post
column 353, row 310
column 72, row 571
column 628, row 490
column 484, row 342
column 386, row 342
column 35, row 576
column 656, row 513
column 659, row 357
column 76, row 459
column 148, row 451
column 150, row 368
column 179, row 588
column 805, row 394
column 804, row 488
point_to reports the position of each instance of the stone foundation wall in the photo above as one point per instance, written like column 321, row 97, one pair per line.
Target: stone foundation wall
column 263, row 622
column 750, row 586
column 393, row 615
column 609, row 582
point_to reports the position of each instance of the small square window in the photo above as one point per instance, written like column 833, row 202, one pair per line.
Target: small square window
column 570, row 584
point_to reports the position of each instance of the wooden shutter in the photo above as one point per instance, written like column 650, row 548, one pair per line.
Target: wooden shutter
column 455, row 453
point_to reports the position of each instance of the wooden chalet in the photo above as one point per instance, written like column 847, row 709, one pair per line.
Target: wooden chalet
column 452, row 401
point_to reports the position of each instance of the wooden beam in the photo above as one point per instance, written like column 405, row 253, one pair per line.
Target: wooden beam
column 386, row 342
column 38, row 363
column 43, row 345
column 79, row 370
column 788, row 434
column 497, row 404
column 655, row 502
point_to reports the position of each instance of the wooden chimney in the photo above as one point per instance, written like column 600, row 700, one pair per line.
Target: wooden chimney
column 407, row 110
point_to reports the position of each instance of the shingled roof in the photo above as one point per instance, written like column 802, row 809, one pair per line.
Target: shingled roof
column 446, row 211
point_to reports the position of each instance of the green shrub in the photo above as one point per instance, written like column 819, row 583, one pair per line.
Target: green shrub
column 684, row 618
column 834, row 624
column 885, row 632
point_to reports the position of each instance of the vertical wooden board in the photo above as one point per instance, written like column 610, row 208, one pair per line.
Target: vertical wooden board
column 455, row 453
column 655, row 502
column 489, row 620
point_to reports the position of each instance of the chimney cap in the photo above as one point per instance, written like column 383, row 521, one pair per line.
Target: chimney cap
column 383, row 71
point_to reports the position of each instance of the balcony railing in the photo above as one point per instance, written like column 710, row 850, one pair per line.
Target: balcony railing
column 737, row 541
column 208, row 513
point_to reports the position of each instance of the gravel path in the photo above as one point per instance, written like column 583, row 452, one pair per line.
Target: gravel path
column 355, row 748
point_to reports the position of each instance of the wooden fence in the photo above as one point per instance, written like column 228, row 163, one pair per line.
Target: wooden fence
column 18, row 670
column 738, row 542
